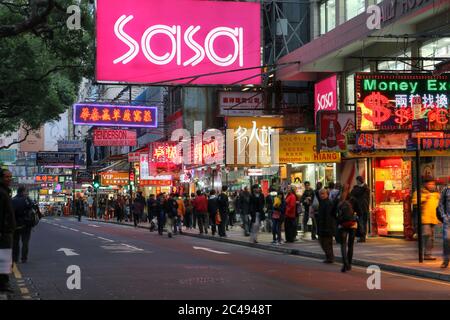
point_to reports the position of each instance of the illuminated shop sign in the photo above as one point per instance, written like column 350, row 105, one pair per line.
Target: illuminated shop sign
column 114, row 178
column 148, row 41
column 46, row 178
column 393, row 102
column 325, row 93
column 106, row 137
column 114, row 115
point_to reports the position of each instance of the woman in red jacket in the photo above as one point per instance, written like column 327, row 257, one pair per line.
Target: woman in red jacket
column 291, row 206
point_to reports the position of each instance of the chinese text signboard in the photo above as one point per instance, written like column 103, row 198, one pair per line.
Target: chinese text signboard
column 393, row 101
column 46, row 178
column 150, row 41
column 70, row 146
column 106, row 137
column 113, row 115
column 336, row 131
column 325, row 95
column 55, row 159
column 164, row 157
column 301, row 148
column 240, row 103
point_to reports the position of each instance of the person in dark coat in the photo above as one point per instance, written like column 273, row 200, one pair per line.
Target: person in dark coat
column 138, row 208
column 257, row 214
column 171, row 211
column 244, row 208
column 212, row 210
column 361, row 194
column 161, row 216
column 347, row 224
column 7, row 227
column 79, row 207
column 152, row 207
column 307, row 200
column 223, row 206
column 326, row 225
column 22, row 205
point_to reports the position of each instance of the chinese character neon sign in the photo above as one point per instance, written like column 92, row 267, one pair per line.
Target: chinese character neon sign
column 114, row 115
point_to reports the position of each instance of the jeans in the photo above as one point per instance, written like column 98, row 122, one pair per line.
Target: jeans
column 276, row 229
column 347, row 242
column 255, row 228
column 223, row 224
column 246, row 222
column 201, row 218
column 326, row 242
column 24, row 235
column 428, row 238
column 212, row 222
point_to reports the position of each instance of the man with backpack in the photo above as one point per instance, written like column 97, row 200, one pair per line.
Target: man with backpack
column 25, row 213
column 443, row 213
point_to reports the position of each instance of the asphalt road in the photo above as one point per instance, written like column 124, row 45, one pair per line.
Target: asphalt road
column 121, row 262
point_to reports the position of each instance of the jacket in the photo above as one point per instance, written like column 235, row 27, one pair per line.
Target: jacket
column 7, row 219
column 21, row 206
column 153, row 207
column 326, row 222
column 181, row 208
column 223, row 203
column 362, row 195
column 257, row 203
column 244, row 202
column 200, row 204
column 291, row 204
column 212, row 206
column 430, row 201
column 171, row 207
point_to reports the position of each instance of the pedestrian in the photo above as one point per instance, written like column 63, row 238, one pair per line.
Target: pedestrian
column 444, row 214
column 277, row 216
column 306, row 200
column 90, row 202
column 231, row 210
column 314, row 210
column 194, row 212
column 256, row 212
column 347, row 218
column 326, row 225
column 200, row 205
column 335, row 191
column 152, row 208
column 138, row 208
column 189, row 211
column 79, row 207
column 7, row 227
column 180, row 216
column 361, row 194
column 161, row 216
column 289, row 224
column 213, row 209
column 429, row 203
column 118, row 209
column 223, row 206
column 244, row 205
column 24, row 212
column 171, row 212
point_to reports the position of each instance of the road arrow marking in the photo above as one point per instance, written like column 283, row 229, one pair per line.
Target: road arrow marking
column 210, row 250
column 126, row 245
column 68, row 252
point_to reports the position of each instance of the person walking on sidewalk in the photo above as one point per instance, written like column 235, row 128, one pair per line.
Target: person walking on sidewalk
column 429, row 203
column 171, row 211
column 79, row 206
column 160, row 211
column 277, row 217
column 347, row 224
column 326, row 225
column 153, row 210
column 444, row 215
column 244, row 206
column 138, row 208
column 189, row 211
column 257, row 214
column 307, row 200
column 361, row 194
column 289, row 224
column 7, row 227
column 200, row 204
column 213, row 209
column 223, row 206
column 180, row 216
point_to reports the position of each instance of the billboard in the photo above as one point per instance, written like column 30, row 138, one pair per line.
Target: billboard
column 336, row 131
column 240, row 103
column 394, row 101
column 60, row 159
column 150, row 41
column 70, row 145
column 107, row 137
column 35, row 141
column 114, row 178
column 325, row 95
column 114, row 115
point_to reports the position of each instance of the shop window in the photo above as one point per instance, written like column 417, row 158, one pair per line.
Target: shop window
column 354, row 8
column 350, row 90
column 327, row 16
column 435, row 49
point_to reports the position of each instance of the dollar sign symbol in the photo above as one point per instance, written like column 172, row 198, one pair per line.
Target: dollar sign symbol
column 377, row 102
column 403, row 116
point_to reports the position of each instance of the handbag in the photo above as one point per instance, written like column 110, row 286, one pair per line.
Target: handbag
column 218, row 217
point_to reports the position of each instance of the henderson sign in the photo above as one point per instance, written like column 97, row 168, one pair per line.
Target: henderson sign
column 152, row 41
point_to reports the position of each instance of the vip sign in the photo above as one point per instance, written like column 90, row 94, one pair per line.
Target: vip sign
column 144, row 41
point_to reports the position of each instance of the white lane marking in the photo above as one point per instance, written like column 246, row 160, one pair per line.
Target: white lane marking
column 126, row 245
column 106, row 239
column 93, row 225
column 74, row 229
column 210, row 250
column 88, row 234
column 68, row 252
column 57, row 219
column 64, row 227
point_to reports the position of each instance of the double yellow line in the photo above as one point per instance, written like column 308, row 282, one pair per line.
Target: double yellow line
column 21, row 283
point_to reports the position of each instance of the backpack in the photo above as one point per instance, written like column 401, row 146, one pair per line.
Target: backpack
column 345, row 215
column 31, row 217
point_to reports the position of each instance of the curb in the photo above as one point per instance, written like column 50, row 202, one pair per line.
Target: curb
column 314, row 255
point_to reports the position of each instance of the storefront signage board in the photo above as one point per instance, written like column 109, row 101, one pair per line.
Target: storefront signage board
column 232, row 103
column 114, row 178
column 336, row 131
column 381, row 141
column 108, row 137
column 150, row 41
column 106, row 115
column 393, row 101
column 325, row 95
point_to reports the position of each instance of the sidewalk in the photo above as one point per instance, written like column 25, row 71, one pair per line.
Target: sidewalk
column 395, row 255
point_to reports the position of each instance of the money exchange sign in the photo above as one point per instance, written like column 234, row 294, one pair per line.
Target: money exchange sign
column 394, row 101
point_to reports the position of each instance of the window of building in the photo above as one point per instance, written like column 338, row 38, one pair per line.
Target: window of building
column 435, row 49
column 350, row 90
column 327, row 16
column 354, row 8
column 396, row 65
